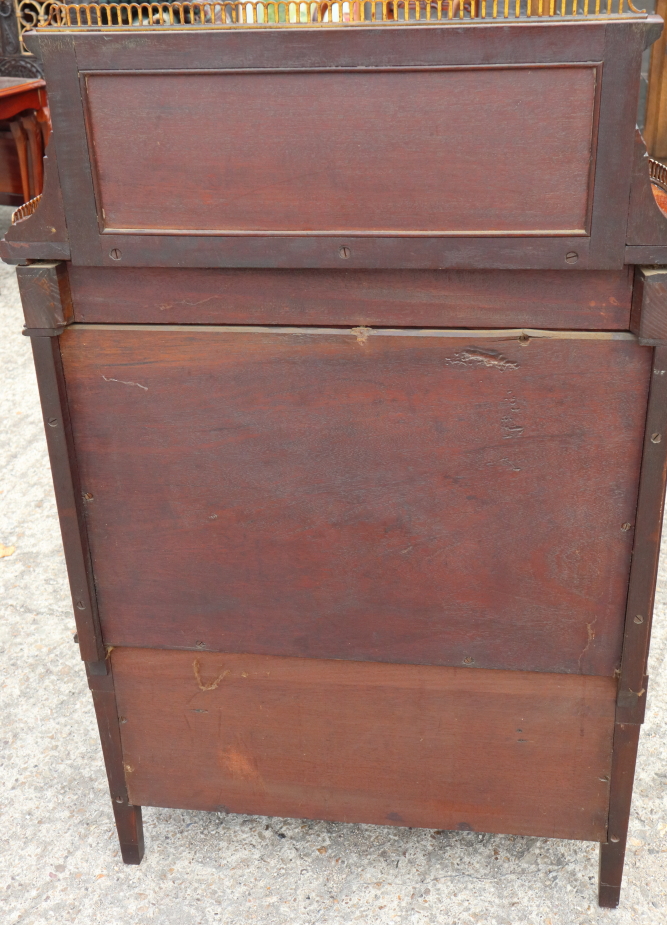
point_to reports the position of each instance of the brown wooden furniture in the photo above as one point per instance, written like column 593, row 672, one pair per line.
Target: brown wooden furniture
column 356, row 408
column 24, row 133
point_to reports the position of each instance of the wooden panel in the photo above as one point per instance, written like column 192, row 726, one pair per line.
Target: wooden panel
column 377, row 152
column 426, row 497
column 439, row 298
column 450, row 748
column 649, row 308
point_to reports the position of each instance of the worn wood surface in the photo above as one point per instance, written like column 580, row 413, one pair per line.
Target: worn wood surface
column 42, row 235
column 351, row 156
column 648, row 318
column 490, row 751
column 64, row 468
column 127, row 816
column 612, row 851
column 578, row 47
column 644, row 571
column 45, row 294
column 549, row 299
column 404, row 496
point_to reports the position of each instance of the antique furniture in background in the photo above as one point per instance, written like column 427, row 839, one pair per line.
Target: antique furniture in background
column 359, row 458
column 24, row 133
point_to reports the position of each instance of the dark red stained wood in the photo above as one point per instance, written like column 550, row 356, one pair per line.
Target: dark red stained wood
column 128, row 817
column 648, row 317
column 644, row 571
column 66, row 484
column 612, row 853
column 448, row 748
column 396, row 497
column 588, row 300
column 494, row 43
column 391, row 152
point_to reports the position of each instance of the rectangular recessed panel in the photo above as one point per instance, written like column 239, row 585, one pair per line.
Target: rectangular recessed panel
column 426, row 497
column 491, row 151
column 450, row 748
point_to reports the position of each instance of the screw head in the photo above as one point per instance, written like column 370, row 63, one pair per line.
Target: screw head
column 115, row 254
column 656, row 438
column 119, row 799
column 524, row 339
column 625, row 527
column 200, row 645
column 571, row 257
column 614, row 838
column 345, row 252
column 52, row 422
column 87, row 496
column 639, row 618
column 122, row 719
column 468, row 660
column 80, row 605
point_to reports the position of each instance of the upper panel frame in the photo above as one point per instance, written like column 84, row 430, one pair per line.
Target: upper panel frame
column 613, row 48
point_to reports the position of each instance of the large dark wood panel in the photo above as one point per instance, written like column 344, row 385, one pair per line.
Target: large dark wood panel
column 451, row 748
column 439, row 298
column 427, row 497
column 389, row 152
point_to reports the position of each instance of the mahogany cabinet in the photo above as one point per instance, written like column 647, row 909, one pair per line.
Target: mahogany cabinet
column 351, row 336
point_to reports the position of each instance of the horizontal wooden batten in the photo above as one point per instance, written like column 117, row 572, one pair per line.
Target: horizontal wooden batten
column 450, row 748
column 437, row 298
column 350, row 493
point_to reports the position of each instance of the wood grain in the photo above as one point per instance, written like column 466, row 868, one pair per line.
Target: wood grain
column 489, row 751
column 438, row 298
column 394, row 496
column 332, row 152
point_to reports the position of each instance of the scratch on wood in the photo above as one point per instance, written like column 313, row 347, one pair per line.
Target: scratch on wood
column 207, row 687
column 123, row 382
column 361, row 334
column 591, row 637
column 473, row 356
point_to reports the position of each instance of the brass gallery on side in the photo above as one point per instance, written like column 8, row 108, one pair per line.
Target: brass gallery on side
column 350, row 327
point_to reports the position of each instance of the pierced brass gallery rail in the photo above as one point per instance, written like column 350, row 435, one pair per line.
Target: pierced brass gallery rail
column 227, row 14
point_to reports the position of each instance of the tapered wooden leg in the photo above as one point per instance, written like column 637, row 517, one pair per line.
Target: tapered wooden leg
column 128, row 817
column 130, row 830
column 612, row 853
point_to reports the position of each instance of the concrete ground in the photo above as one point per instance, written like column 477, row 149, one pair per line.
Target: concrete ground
column 59, row 859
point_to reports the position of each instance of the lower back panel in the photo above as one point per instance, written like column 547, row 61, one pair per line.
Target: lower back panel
column 451, row 748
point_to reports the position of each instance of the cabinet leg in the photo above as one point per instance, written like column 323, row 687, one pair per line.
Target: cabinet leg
column 130, row 830
column 612, row 852
column 611, row 873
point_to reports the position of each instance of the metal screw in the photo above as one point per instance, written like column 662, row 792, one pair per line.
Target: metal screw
column 115, row 254
column 119, row 799
column 614, row 838
column 639, row 618
column 200, row 645
column 80, row 605
column 87, row 496
column 524, row 339
column 655, row 438
column 572, row 257
column 52, row 422
column 468, row 660
column 625, row 527
column 122, row 719
column 344, row 252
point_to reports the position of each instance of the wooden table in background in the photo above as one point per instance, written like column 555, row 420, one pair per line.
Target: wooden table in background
column 24, row 109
